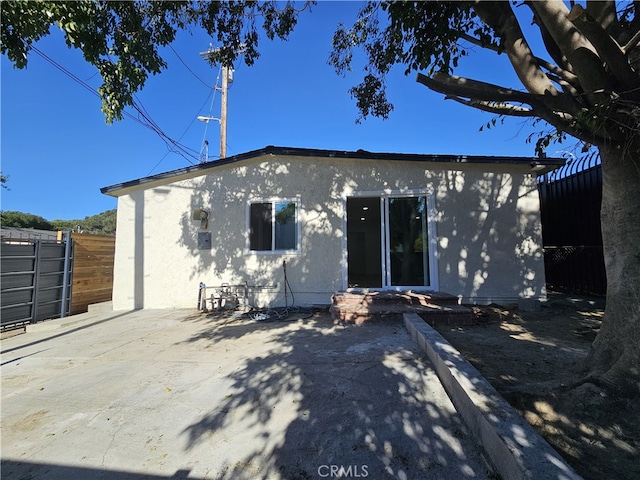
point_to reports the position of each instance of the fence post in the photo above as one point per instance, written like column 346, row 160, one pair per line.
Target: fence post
column 65, row 307
column 36, row 278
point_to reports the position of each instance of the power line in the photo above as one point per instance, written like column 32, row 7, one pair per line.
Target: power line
column 180, row 137
column 146, row 121
column 137, row 105
column 189, row 69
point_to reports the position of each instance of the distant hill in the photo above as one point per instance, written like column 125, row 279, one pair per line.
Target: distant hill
column 103, row 223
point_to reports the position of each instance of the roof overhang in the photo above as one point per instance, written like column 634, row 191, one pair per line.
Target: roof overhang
column 537, row 166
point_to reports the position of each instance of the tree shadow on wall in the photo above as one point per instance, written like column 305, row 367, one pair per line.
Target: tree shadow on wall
column 488, row 237
column 227, row 260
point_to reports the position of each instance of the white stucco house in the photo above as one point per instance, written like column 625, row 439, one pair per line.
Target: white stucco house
column 334, row 221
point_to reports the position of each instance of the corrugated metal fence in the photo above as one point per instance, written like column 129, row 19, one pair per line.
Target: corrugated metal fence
column 36, row 280
column 570, row 199
column 38, row 272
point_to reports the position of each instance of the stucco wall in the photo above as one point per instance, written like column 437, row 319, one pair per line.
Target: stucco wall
column 487, row 223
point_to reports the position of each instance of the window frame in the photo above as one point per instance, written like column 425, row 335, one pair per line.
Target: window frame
column 273, row 201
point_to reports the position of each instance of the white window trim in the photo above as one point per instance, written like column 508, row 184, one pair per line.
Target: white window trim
column 273, row 201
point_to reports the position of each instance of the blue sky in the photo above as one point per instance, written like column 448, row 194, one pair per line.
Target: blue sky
column 58, row 152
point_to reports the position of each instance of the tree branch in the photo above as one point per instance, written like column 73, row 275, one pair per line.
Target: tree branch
column 549, row 43
column 576, row 47
column 494, row 107
column 550, row 67
column 566, row 75
column 566, row 124
column 500, row 17
column 482, row 95
column 607, row 48
column 479, row 43
column 631, row 44
column 473, row 89
column 604, row 12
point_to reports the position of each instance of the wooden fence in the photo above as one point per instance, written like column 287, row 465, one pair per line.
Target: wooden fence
column 92, row 270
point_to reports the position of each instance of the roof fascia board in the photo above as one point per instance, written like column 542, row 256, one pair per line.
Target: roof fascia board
column 536, row 165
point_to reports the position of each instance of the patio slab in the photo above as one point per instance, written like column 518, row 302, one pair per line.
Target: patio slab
column 179, row 394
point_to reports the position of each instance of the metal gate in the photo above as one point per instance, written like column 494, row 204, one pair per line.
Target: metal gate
column 570, row 199
column 36, row 280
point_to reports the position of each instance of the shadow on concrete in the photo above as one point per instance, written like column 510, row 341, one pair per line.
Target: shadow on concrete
column 13, row 469
column 68, row 331
column 363, row 400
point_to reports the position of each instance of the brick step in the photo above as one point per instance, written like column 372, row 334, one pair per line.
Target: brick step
column 383, row 298
column 431, row 313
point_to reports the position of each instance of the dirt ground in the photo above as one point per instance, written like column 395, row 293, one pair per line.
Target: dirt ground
column 532, row 359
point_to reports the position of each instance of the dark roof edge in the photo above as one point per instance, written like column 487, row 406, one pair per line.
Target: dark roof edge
column 358, row 154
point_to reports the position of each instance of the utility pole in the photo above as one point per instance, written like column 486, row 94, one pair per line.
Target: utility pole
column 223, row 111
column 226, row 79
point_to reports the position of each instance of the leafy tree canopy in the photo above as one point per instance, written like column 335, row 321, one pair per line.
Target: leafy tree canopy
column 122, row 39
column 101, row 224
column 24, row 220
column 586, row 83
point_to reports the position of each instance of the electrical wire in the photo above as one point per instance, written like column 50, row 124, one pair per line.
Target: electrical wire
column 282, row 314
column 180, row 149
column 189, row 69
column 287, row 286
column 180, row 137
column 175, row 145
column 286, row 313
column 143, row 118
column 272, row 314
column 264, row 315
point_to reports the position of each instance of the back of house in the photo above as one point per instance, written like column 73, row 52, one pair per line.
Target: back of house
column 293, row 225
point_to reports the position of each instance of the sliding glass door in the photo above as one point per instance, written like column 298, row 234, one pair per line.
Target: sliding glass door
column 407, row 242
column 388, row 242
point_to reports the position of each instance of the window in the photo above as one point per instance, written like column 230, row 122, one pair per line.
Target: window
column 273, row 226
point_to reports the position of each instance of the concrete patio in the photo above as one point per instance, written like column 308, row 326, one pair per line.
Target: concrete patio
column 178, row 394
column 182, row 394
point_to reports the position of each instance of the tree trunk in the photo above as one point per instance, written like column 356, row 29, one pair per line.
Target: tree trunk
column 614, row 359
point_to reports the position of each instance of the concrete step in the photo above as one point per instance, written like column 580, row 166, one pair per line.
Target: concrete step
column 100, row 307
column 56, row 323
